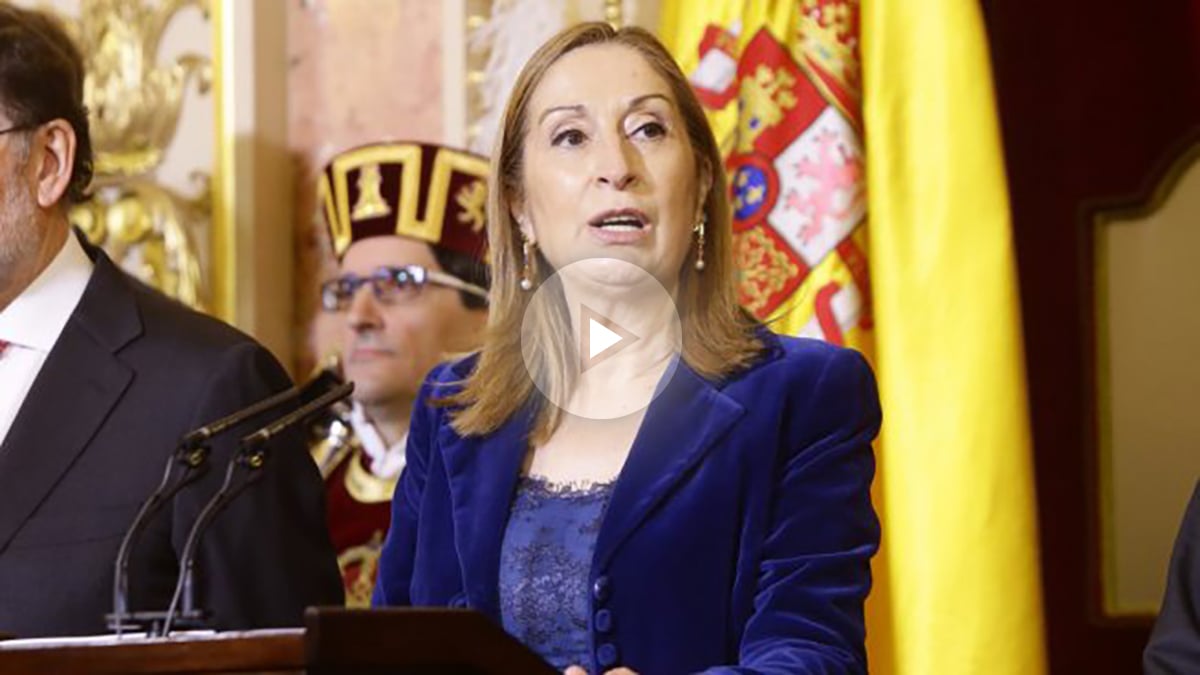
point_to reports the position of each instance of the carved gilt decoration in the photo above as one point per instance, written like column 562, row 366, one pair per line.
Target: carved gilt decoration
column 134, row 106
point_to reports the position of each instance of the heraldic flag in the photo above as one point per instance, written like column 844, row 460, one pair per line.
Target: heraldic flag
column 927, row 291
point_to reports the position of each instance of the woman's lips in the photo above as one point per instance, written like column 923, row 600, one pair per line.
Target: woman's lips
column 620, row 226
column 620, row 235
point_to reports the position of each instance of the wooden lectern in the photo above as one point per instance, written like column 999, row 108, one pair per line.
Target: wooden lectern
column 333, row 641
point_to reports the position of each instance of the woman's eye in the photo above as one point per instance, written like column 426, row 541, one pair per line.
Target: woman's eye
column 570, row 137
column 651, row 130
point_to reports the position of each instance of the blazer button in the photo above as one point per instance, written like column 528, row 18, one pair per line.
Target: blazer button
column 602, row 588
column 459, row 601
column 603, row 621
column 607, row 655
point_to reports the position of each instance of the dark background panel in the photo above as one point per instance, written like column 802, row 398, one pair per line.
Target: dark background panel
column 1095, row 98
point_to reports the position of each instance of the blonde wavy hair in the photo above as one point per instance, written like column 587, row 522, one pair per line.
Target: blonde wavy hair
column 719, row 338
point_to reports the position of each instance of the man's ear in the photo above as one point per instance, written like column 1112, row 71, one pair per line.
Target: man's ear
column 54, row 154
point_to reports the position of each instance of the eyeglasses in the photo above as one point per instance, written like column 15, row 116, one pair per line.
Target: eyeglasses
column 390, row 285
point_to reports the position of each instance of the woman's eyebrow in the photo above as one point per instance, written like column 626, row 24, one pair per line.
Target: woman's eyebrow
column 639, row 100
column 577, row 109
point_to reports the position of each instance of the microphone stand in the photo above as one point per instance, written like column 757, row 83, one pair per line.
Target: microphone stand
column 192, row 465
column 191, row 460
column 251, row 457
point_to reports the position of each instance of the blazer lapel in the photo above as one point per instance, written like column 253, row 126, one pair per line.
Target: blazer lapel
column 482, row 474
column 680, row 426
column 75, row 391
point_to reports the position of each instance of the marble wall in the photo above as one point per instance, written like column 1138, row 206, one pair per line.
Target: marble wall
column 358, row 71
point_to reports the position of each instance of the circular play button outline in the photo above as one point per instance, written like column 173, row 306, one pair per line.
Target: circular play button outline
column 598, row 338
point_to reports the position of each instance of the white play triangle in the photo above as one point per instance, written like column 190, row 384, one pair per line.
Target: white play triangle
column 600, row 338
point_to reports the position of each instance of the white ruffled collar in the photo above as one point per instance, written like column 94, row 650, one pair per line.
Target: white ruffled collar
column 386, row 461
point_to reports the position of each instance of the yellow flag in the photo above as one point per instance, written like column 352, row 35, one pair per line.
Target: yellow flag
column 956, row 581
column 957, row 478
column 782, row 86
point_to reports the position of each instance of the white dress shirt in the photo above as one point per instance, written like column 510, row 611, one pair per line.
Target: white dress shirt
column 32, row 323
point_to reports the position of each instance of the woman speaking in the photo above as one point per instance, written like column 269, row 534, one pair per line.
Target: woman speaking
column 632, row 475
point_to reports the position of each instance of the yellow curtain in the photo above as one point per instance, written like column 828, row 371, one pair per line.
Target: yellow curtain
column 958, row 483
column 956, row 581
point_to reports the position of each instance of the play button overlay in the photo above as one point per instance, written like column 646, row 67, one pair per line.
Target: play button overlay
column 600, row 337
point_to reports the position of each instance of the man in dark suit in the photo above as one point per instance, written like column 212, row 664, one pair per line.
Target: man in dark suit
column 99, row 378
column 1175, row 642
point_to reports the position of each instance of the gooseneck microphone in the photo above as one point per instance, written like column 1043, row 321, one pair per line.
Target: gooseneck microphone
column 205, row 433
column 251, row 458
column 186, row 464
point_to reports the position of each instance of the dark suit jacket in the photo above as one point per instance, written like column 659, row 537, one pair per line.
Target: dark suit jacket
column 130, row 374
column 737, row 537
column 1175, row 642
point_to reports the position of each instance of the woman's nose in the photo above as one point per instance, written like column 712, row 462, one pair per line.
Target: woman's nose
column 616, row 165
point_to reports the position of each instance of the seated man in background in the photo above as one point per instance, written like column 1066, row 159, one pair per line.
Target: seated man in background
column 406, row 221
column 1175, row 642
column 100, row 377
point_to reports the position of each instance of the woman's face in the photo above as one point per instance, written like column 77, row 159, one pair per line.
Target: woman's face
column 609, row 171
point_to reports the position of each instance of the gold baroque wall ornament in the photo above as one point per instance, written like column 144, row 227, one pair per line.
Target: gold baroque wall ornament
column 133, row 102
column 134, row 106
column 145, row 227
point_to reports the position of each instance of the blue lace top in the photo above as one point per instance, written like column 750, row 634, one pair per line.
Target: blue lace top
column 545, row 561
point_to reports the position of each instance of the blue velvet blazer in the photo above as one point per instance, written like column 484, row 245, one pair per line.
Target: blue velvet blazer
column 737, row 538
